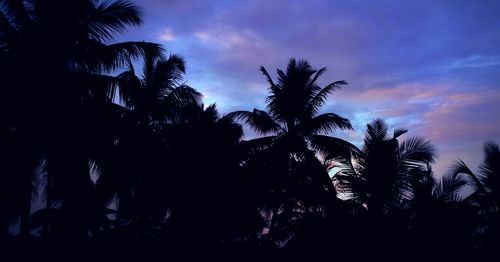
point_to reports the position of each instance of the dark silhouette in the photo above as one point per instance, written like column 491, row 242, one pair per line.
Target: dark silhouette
column 485, row 194
column 134, row 165
column 57, row 99
column 298, row 181
column 378, row 174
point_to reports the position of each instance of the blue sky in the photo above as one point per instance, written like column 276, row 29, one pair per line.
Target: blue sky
column 430, row 66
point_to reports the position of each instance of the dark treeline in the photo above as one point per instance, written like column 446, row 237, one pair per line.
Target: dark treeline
column 134, row 157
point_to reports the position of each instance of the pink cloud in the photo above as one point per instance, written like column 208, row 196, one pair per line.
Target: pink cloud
column 166, row 35
column 463, row 115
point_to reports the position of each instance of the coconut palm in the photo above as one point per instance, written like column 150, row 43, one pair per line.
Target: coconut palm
column 150, row 102
column 296, row 129
column 293, row 112
column 293, row 107
column 156, row 97
column 52, row 61
column 378, row 175
column 378, row 179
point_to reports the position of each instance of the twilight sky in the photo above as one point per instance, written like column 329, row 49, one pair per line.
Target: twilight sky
column 430, row 66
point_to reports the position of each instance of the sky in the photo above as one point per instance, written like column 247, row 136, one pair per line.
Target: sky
column 432, row 67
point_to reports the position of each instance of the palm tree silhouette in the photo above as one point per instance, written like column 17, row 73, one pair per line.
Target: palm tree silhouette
column 156, row 98
column 486, row 189
column 296, row 126
column 440, row 214
column 378, row 174
column 151, row 103
column 378, row 178
column 64, row 54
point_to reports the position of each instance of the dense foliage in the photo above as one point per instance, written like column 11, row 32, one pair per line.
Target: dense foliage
column 137, row 156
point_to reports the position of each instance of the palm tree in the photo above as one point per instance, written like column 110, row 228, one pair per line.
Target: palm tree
column 151, row 102
column 53, row 61
column 486, row 188
column 296, row 128
column 378, row 176
column 378, row 179
column 156, row 97
column 441, row 217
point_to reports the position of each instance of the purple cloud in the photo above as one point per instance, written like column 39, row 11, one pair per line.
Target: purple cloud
column 430, row 66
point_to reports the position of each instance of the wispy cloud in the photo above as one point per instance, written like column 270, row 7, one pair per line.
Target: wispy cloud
column 166, row 35
column 224, row 36
column 430, row 67
column 476, row 61
column 233, row 46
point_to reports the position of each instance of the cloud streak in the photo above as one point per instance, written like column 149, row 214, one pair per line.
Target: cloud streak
column 430, row 66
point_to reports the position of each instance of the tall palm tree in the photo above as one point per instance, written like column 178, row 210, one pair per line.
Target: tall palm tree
column 296, row 128
column 53, row 61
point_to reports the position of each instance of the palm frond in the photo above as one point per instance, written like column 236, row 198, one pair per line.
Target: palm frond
column 459, row 167
column 399, row 132
column 172, row 106
column 376, row 131
column 275, row 101
column 258, row 120
column 490, row 167
column 416, row 150
column 332, row 147
column 324, row 123
column 182, row 95
column 113, row 17
column 106, row 58
column 273, row 87
column 168, row 72
column 348, row 181
column 416, row 184
column 449, row 187
column 319, row 99
column 317, row 74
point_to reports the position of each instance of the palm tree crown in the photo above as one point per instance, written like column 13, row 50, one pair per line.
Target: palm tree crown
column 296, row 133
column 293, row 107
column 381, row 171
column 158, row 96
